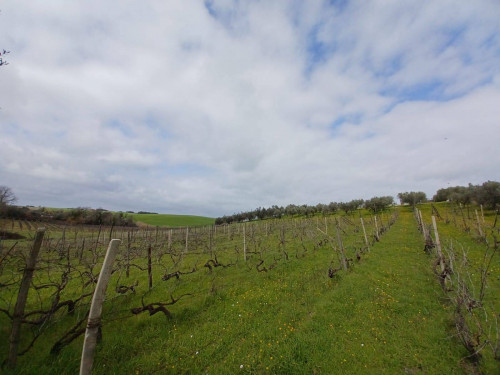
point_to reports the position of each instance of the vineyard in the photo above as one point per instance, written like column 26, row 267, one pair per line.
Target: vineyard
column 324, row 294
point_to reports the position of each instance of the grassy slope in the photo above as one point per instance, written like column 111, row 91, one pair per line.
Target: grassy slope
column 173, row 220
column 383, row 316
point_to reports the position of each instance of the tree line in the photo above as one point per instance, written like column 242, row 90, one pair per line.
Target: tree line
column 73, row 216
column 80, row 215
column 487, row 194
column 375, row 204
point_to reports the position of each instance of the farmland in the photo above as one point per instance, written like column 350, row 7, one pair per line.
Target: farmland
column 288, row 296
column 172, row 220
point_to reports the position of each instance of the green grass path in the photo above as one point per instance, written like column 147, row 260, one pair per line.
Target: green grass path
column 386, row 314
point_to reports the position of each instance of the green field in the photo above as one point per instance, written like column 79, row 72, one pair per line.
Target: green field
column 256, row 298
column 173, row 221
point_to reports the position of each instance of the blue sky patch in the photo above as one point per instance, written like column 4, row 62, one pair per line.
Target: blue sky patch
column 121, row 127
column 209, row 5
column 158, row 127
column 317, row 51
column 353, row 119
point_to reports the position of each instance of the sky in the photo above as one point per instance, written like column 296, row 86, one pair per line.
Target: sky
column 220, row 106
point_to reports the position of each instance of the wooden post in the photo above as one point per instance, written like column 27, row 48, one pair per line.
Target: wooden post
column 83, row 248
column 479, row 224
column 94, row 321
column 422, row 224
column 418, row 216
column 150, row 273
column 187, row 237
column 466, row 227
column 211, row 239
column 482, row 213
column 111, row 231
column 377, row 236
column 341, row 249
column 22, row 297
column 364, row 233
column 244, row 243
column 97, row 241
column 127, row 271
column 454, row 216
column 170, row 240
column 438, row 244
column 326, row 226
column 63, row 243
column 76, row 239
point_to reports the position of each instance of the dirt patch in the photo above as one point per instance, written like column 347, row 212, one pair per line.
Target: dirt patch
column 140, row 224
column 5, row 235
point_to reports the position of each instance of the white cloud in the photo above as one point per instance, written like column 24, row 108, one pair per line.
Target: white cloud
column 185, row 108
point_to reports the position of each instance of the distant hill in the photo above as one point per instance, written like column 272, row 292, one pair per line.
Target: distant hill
column 172, row 220
column 148, row 218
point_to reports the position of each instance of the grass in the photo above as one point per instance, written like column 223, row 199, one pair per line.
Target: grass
column 173, row 220
column 387, row 314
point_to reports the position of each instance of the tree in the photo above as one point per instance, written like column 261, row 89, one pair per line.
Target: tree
column 291, row 210
column 377, row 204
column 462, row 195
column 442, row 195
column 351, row 206
column 6, row 196
column 333, row 207
column 488, row 194
column 412, row 197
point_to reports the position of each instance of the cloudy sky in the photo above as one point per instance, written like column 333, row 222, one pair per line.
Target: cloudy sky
column 215, row 107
